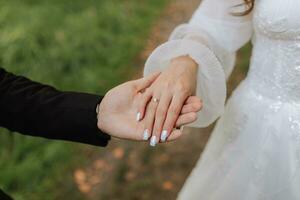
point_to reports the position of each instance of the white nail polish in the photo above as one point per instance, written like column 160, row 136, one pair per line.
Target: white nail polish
column 146, row 135
column 153, row 141
column 164, row 136
column 138, row 116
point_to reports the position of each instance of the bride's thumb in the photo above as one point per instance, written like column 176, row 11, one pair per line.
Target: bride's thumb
column 146, row 82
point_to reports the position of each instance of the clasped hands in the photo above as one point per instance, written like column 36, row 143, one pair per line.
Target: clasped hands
column 151, row 108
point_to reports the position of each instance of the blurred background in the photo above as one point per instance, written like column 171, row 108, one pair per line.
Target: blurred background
column 91, row 46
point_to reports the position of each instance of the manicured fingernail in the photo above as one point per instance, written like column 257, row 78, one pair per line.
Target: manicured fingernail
column 138, row 116
column 146, row 134
column 153, row 141
column 164, row 136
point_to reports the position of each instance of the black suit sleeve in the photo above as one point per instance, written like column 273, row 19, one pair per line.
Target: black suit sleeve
column 4, row 196
column 34, row 109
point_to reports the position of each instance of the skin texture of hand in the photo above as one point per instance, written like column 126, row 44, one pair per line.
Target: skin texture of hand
column 163, row 101
column 117, row 111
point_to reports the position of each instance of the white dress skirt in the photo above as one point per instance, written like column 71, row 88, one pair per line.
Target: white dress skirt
column 254, row 150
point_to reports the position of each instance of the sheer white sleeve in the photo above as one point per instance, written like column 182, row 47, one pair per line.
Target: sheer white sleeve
column 211, row 38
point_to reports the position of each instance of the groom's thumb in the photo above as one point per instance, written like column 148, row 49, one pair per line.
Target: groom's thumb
column 147, row 81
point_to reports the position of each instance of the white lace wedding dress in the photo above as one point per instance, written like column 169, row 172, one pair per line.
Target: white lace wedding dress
column 254, row 151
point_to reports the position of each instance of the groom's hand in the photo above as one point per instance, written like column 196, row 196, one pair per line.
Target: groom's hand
column 117, row 111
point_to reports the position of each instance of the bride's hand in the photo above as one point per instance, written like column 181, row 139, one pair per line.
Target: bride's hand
column 163, row 101
column 117, row 109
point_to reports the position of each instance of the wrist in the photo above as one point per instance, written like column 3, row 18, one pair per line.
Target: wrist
column 100, row 124
column 185, row 61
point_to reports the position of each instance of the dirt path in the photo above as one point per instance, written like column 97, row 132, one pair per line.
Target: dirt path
column 178, row 12
column 128, row 170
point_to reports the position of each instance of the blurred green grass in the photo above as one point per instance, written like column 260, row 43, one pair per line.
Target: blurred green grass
column 74, row 45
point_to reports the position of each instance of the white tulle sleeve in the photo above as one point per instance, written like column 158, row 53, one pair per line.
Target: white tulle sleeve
column 211, row 38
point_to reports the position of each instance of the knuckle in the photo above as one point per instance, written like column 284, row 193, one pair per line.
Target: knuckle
column 181, row 98
column 183, row 88
column 184, row 93
column 194, row 117
column 197, row 106
column 182, row 85
column 200, row 106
